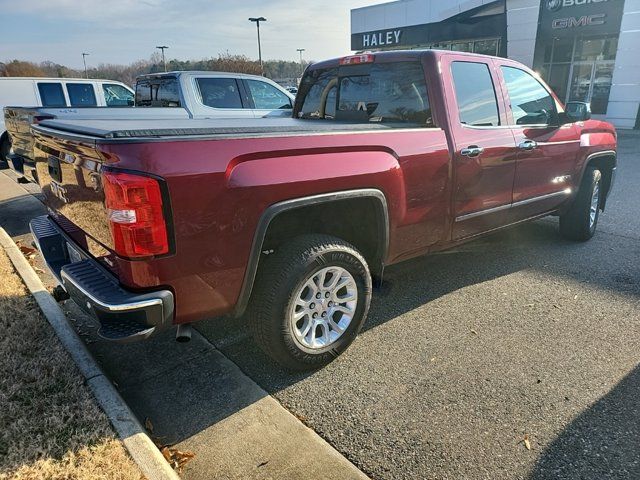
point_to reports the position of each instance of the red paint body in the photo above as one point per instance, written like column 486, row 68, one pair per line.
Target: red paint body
column 219, row 188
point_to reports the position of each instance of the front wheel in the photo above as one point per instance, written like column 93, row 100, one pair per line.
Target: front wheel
column 310, row 302
column 580, row 221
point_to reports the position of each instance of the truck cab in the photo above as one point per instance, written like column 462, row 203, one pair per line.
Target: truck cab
column 214, row 94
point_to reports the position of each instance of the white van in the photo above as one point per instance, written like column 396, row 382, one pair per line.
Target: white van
column 58, row 92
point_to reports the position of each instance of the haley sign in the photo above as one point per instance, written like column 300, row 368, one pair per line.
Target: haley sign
column 380, row 39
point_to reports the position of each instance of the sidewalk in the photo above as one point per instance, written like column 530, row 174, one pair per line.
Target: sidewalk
column 193, row 397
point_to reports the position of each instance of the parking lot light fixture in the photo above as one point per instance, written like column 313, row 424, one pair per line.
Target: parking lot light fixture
column 84, row 61
column 257, row 20
column 164, row 62
column 300, row 50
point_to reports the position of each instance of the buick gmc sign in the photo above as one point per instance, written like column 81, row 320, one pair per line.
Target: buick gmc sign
column 573, row 17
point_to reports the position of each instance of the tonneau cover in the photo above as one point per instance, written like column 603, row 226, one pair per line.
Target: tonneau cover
column 128, row 129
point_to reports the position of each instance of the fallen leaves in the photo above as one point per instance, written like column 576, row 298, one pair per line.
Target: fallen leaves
column 527, row 442
column 148, row 425
column 176, row 458
column 28, row 251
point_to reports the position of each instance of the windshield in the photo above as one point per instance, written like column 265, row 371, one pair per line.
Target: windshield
column 386, row 93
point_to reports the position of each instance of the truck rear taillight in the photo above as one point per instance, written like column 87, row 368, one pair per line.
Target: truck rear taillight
column 355, row 59
column 136, row 214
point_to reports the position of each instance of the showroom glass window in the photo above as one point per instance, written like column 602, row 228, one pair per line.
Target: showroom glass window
column 219, row 92
column 51, row 95
column 81, row 95
column 475, row 94
column 531, row 103
column 163, row 92
column 579, row 69
column 375, row 92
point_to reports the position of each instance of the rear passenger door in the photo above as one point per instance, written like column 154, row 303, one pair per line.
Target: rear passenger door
column 221, row 97
column 484, row 157
column 547, row 152
column 81, row 95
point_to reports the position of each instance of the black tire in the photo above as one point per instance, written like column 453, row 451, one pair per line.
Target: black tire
column 575, row 223
column 5, row 146
column 280, row 278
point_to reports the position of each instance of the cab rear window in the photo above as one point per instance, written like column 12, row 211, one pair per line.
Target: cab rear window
column 164, row 92
column 379, row 92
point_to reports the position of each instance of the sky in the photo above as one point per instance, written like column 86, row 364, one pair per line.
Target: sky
column 122, row 31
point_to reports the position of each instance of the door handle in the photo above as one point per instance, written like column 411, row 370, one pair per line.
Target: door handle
column 527, row 145
column 471, row 151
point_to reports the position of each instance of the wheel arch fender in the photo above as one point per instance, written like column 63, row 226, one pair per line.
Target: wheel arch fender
column 606, row 162
column 377, row 198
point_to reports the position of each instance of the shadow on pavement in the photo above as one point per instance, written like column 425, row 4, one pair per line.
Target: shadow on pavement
column 602, row 443
column 15, row 213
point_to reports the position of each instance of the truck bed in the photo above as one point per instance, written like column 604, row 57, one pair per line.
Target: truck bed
column 231, row 128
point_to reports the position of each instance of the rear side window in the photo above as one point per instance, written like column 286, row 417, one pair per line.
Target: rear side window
column 51, row 95
column 116, row 95
column 267, row 97
column 531, row 103
column 219, row 92
column 379, row 92
column 476, row 96
column 164, row 92
column 81, row 95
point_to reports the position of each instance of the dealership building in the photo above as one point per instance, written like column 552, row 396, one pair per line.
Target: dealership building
column 586, row 50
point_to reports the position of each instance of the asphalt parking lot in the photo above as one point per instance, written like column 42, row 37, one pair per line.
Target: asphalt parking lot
column 465, row 355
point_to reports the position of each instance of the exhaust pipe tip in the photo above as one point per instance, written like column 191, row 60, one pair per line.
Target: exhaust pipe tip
column 59, row 294
column 183, row 334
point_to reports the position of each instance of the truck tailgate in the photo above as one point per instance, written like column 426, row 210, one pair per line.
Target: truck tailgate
column 69, row 175
column 18, row 121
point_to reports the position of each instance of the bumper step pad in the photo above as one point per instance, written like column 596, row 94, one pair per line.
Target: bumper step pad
column 123, row 315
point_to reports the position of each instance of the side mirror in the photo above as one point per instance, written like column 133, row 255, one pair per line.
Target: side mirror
column 577, row 112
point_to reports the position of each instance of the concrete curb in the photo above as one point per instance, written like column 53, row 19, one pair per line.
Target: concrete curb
column 137, row 442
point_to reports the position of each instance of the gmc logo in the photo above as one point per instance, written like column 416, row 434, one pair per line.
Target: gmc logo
column 584, row 21
column 571, row 3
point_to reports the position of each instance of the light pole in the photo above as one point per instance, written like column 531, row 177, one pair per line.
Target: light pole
column 164, row 62
column 84, row 60
column 300, row 50
column 258, row 20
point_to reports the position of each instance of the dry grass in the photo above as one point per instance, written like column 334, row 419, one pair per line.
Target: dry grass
column 50, row 425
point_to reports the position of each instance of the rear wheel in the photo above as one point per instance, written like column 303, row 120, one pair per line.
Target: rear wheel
column 310, row 302
column 580, row 221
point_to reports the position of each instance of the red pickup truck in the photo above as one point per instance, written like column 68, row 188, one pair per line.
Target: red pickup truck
column 289, row 221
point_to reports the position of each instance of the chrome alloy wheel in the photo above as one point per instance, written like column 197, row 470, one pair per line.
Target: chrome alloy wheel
column 595, row 203
column 323, row 307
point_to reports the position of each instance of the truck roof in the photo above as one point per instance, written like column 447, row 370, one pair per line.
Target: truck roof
column 396, row 55
column 61, row 79
column 204, row 73
column 130, row 130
